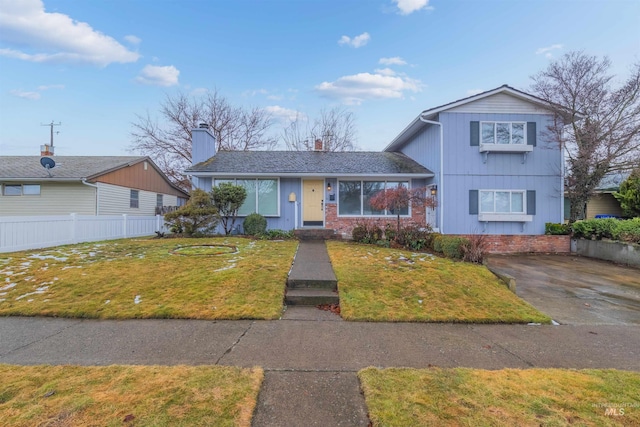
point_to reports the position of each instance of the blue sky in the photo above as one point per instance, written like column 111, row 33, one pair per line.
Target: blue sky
column 93, row 65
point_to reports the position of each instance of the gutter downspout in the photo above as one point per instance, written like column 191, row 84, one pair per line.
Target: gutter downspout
column 441, row 178
column 84, row 181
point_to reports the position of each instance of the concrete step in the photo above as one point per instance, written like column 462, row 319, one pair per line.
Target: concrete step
column 310, row 297
column 308, row 283
column 315, row 234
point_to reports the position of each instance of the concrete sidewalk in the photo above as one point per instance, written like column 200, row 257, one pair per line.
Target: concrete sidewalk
column 311, row 357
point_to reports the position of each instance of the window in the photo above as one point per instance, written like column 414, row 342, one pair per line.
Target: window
column 12, row 190
column 159, row 201
column 31, row 189
column 134, row 198
column 503, row 132
column 502, row 201
column 354, row 197
column 20, row 190
column 262, row 196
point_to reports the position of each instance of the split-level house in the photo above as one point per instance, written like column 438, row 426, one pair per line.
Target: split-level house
column 486, row 160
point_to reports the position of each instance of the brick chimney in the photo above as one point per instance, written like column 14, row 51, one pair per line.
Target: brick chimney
column 318, row 145
column 46, row 150
column 203, row 144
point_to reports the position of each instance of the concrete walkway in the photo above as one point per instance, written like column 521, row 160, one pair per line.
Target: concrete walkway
column 312, row 263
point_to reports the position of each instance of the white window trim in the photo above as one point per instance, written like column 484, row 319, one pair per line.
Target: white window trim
column 503, row 216
column 131, row 199
column 235, row 182
column 495, row 132
column 362, row 199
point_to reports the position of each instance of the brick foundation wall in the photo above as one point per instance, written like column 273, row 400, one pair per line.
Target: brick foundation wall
column 344, row 225
column 508, row 244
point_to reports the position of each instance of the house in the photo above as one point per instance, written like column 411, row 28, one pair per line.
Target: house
column 88, row 185
column 485, row 159
column 602, row 203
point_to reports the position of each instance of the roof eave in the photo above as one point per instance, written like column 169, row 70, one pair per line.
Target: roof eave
column 305, row 175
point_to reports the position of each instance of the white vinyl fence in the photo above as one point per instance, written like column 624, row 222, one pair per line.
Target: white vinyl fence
column 35, row 232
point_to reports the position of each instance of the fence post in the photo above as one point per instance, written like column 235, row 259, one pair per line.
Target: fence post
column 124, row 225
column 74, row 228
column 159, row 223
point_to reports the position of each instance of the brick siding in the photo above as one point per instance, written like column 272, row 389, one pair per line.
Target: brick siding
column 507, row 244
column 344, row 225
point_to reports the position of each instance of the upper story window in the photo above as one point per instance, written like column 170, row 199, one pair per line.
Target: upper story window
column 503, row 132
column 19, row 190
column 159, row 201
column 354, row 196
column 262, row 196
column 134, row 199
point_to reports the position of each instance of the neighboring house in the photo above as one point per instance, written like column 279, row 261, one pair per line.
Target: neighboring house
column 603, row 203
column 88, row 185
column 484, row 158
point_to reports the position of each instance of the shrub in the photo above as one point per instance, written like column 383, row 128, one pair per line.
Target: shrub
column 556, row 229
column 473, row 250
column 276, row 234
column 437, row 242
column 628, row 231
column 452, row 246
column 597, row 229
column 228, row 198
column 414, row 237
column 198, row 217
column 366, row 231
column 254, row 224
column 629, row 194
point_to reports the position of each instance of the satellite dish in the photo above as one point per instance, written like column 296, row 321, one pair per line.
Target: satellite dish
column 48, row 163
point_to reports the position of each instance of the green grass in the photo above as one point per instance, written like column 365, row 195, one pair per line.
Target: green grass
column 379, row 284
column 510, row 397
column 128, row 395
column 212, row 278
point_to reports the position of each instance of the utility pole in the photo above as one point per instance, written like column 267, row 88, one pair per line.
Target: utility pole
column 47, row 150
column 51, row 125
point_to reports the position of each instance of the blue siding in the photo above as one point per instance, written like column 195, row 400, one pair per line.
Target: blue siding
column 424, row 148
column 465, row 170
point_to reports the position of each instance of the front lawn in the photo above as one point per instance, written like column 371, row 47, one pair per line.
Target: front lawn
column 213, row 278
column 379, row 284
column 510, row 397
column 128, row 395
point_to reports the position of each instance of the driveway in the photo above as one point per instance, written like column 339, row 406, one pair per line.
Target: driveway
column 575, row 290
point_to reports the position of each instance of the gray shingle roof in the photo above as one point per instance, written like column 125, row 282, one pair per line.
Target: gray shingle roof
column 309, row 162
column 67, row 167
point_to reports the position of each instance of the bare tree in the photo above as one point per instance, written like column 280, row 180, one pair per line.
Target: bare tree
column 597, row 125
column 335, row 128
column 169, row 143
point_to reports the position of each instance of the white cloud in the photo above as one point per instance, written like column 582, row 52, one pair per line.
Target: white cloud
column 36, row 94
column 158, row 75
column 357, row 88
column 284, row 114
column 547, row 51
column 25, row 95
column 133, row 39
column 407, row 7
column 357, row 41
column 396, row 60
column 472, row 92
column 47, row 87
column 55, row 37
column 385, row 71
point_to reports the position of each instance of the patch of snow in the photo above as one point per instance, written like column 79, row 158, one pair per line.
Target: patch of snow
column 554, row 323
column 230, row 266
column 2, row 299
column 92, row 254
column 8, row 273
column 40, row 290
column 43, row 257
column 419, row 301
column 71, row 266
column 137, row 299
column 534, row 324
column 2, row 293
column 29, row 300
column 9, row 286
column 107, row 301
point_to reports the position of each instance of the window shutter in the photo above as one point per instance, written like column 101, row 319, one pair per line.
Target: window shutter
column 475, row 134
column 531, row 202
column 531, row 133
column 473, row 202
